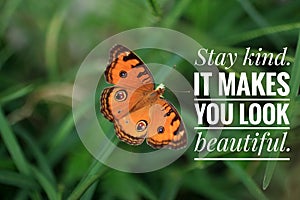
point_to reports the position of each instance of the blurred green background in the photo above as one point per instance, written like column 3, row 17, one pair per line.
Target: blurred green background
column 42, row 44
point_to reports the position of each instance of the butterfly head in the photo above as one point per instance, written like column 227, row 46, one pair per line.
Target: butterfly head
column 160, row 89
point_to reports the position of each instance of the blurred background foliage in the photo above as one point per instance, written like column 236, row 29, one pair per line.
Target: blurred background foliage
column 42, row 44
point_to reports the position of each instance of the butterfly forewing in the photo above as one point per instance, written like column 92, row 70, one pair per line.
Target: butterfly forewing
column 127, row 69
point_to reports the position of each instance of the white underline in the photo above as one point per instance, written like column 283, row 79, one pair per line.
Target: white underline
column 241, row 99
column 242, row 159
column 242, row 128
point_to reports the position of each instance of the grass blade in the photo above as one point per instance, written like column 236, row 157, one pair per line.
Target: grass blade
column 262, row 22
column 37, row 153
column 7, row 13
column 294, row 86
column 172, row 18
column 295, row 73
column 93, row 175
column 171, row 187
column 90, row 192
column 234, row 39
column 247, row 180
column 18, row 180
column 14, row 93
column 49, row 188
column 155, row 8
column 12, row 145
column 51, row 47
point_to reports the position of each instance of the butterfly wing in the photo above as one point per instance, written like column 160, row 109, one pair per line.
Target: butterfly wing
column 160, row 122
column 119, row 106
column 114, row 106
column 127, row 70
column 167, row 128
column 132, row 80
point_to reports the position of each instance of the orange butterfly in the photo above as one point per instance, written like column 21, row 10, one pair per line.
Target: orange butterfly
column 136, row 108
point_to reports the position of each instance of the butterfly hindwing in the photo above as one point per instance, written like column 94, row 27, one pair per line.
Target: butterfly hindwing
column 133, row 128
column 166, row 129
column 114, row 102
column 119, row 106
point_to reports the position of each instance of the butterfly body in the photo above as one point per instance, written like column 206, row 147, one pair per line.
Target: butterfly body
column 136, row 108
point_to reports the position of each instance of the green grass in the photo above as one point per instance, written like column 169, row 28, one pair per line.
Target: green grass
column 42, row 45
column 13, row 146
column 294, row 87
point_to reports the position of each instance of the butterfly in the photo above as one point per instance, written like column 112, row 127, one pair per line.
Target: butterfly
column 138, row 110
